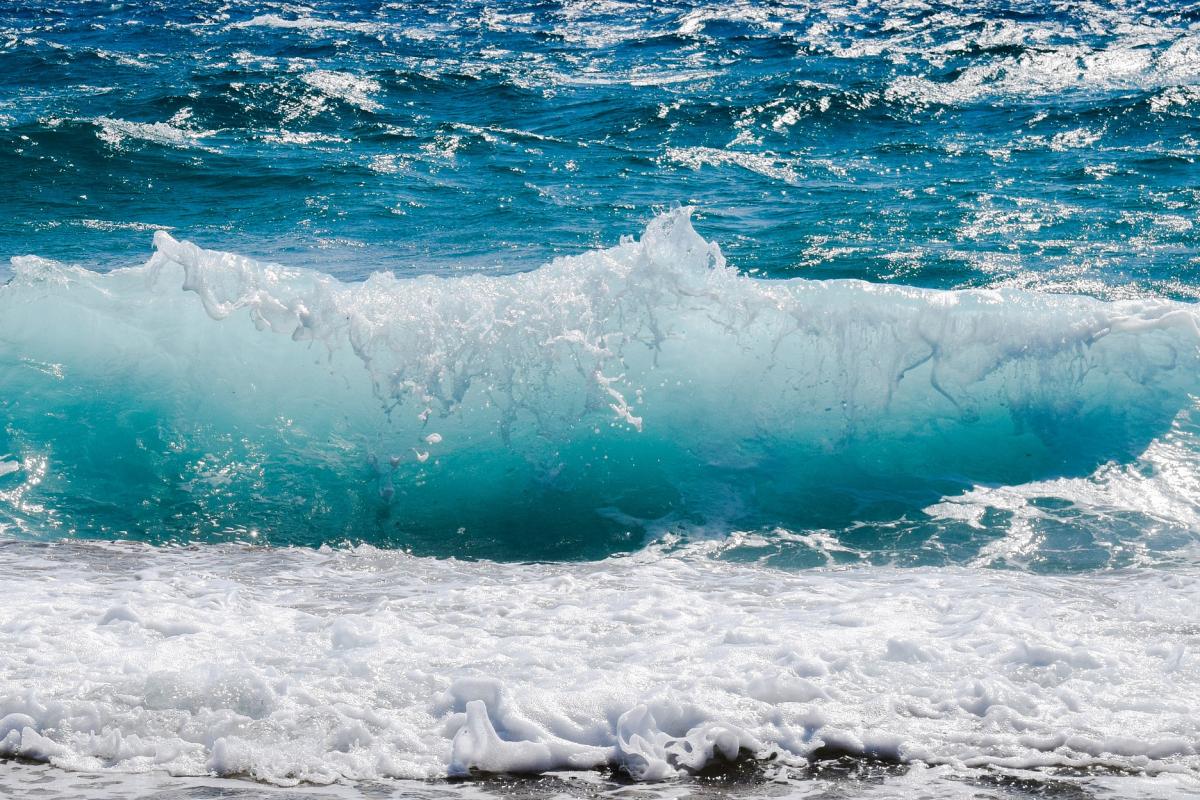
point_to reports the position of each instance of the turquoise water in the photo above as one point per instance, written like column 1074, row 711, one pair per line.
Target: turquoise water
column 993, row 145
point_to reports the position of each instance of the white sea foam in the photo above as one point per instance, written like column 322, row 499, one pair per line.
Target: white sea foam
column 301, row 665
column 303, row 138
column 345, row 86
column 1053, row 71
column 767, row 165
column 111, row 225
column 316, row 25
column 694, row 21
column 174, row 133
column 1175, row 98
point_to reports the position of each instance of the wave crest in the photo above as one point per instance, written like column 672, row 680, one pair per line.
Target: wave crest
column 590, row 401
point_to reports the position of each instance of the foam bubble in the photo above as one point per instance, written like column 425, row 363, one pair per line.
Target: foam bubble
column 321, row 666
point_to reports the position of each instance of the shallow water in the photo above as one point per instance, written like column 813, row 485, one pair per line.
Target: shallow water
column 599, row 398
column 314, row 666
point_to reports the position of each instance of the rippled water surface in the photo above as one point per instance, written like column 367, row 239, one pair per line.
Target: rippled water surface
column 935, row 144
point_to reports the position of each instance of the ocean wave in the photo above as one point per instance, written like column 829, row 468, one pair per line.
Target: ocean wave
column 177, row 132
column 312, row 25
column 598, row 399
column 347, row 87
column 767, row 165
column 1055, row 70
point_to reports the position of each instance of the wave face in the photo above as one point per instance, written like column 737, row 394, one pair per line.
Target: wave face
column 569, row 412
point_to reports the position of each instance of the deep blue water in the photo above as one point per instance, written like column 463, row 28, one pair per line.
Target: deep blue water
column 937, row 144
column 1033, row 149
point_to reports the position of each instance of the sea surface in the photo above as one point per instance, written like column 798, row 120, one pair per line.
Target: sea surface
column 612, row 398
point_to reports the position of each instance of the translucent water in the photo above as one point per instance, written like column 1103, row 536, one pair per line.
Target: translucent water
column 588, row 407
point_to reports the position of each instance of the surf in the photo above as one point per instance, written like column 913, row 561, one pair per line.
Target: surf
column 572, row 411
column 298, row 665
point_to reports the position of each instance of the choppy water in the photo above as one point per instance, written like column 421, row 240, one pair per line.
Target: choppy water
column 613, row 386
column 924, row 143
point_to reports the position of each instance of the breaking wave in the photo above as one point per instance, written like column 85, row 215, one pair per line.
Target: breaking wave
column 562, row 413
